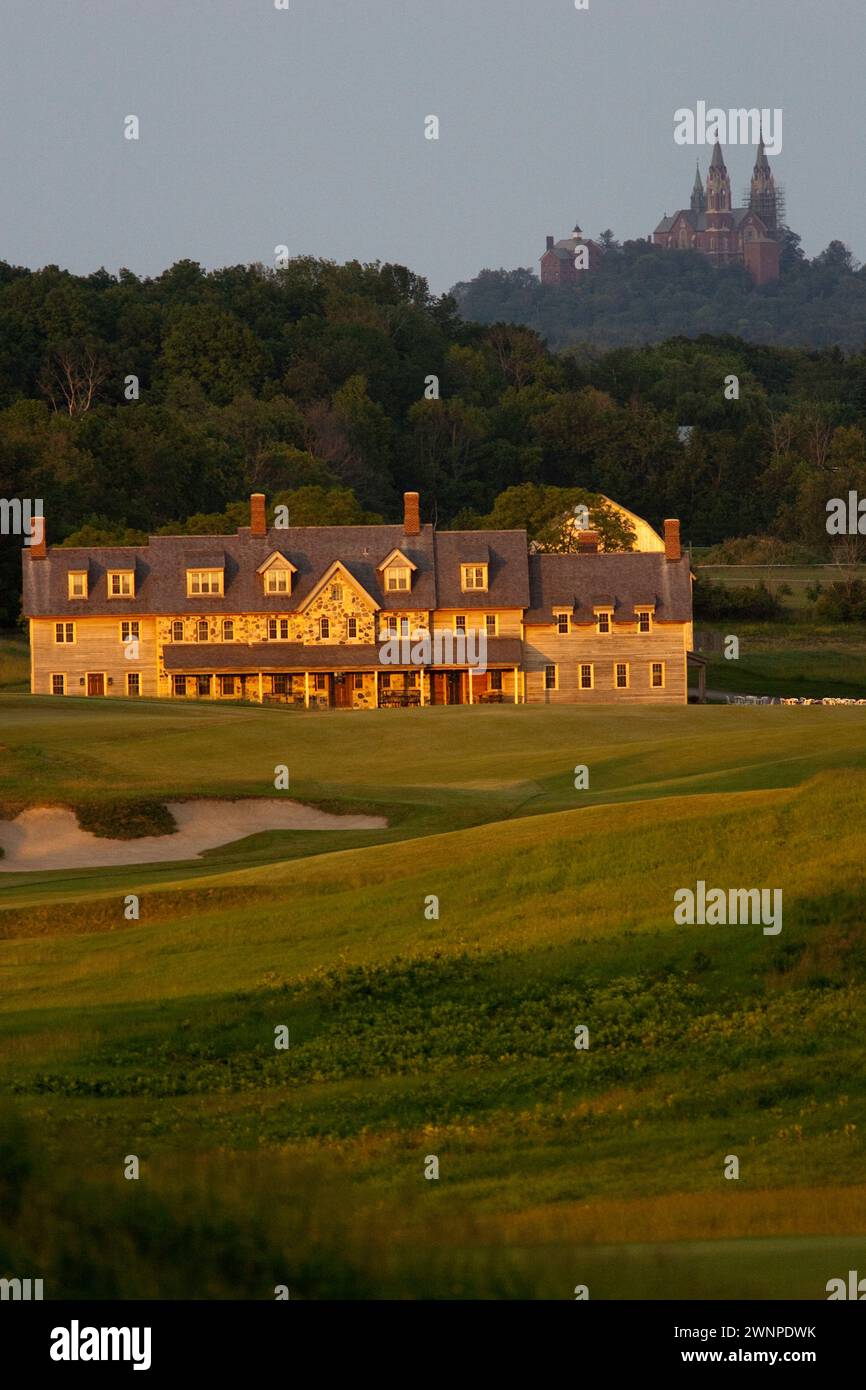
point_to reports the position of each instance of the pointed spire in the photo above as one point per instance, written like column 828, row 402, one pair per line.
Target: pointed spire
column 717, row 161
column 698, row 200
column 762, row 164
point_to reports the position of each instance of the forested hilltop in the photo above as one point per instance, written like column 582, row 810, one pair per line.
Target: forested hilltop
column 315, row 385
column 642, row 293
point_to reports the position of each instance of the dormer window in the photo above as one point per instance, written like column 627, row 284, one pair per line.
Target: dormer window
column 602, row 620
column 121, row 584
column 644, row 620
column 396, row 571
column 397, row 578
column 473, row 578
column 277, row 574
column 562, row 620
column 77, row 581
column 204, row 582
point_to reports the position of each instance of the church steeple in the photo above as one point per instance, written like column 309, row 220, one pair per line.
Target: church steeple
column 718, row 190
column 699, row 202
column 762, row 195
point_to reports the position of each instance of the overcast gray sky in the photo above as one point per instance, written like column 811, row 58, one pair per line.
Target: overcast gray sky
column 305, row 127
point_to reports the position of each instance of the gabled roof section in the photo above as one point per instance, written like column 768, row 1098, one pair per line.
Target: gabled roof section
column 277, row 560
column 339, row 571
column 395, row 556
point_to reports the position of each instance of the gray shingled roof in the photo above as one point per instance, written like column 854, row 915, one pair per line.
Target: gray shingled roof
column 190, row 657
column 627, row 580
column 507, row 575
column 161, row 567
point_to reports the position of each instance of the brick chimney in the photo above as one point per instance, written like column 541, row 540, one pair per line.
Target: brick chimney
column 550, row 243
column 411, row 514
column 587, row 542
column 258, row 517
column 37, row 531
column 673, row 550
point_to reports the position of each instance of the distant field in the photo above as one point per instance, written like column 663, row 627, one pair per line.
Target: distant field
column 799, row 578
column 415, row 1035
column 789, row 659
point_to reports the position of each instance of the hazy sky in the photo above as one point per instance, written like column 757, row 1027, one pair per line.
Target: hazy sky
column 305, row 127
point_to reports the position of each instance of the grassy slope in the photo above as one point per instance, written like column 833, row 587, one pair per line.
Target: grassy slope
column 454, row 1036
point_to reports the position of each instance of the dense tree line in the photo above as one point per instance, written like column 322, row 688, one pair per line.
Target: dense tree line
column 642, row 293
column 135, row 405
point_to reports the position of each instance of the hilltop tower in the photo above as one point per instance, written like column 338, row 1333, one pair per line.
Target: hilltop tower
column 763, row 198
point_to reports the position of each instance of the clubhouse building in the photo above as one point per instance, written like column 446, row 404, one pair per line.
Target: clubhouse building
column 308, row 616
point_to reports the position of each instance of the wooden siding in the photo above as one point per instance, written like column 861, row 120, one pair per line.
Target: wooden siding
column 508, row 625
column 544, row 646
column 97, row 649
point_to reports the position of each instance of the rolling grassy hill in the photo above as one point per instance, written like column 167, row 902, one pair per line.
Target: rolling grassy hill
column 415, row 1035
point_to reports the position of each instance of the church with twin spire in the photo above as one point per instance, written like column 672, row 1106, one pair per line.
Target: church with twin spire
column 724, row 234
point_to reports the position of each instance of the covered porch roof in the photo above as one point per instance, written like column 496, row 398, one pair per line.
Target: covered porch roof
column 233, row 657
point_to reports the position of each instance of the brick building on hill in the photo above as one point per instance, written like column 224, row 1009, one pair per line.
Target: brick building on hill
column 304, row 615
column 724, row 234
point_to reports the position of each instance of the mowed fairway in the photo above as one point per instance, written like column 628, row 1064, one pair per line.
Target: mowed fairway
column 416, row 1036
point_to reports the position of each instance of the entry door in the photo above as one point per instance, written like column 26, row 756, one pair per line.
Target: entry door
column 96, row 683
column 454, row 692
column 342, row 691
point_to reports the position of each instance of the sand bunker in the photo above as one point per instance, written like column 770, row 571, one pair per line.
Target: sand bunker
column 49, row 837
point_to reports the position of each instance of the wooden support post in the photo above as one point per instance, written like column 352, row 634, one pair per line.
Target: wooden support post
column 307, row 689
column 261, row 689
column 516, row 685
column 471, row 701
column 421, row 679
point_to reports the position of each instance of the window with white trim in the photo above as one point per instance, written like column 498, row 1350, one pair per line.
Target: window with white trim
column 121, row 584
column 58, row 685
column 77, row 582
column 133, row 683
column 351, row 628
column 324, row 628
column 602, row 621
column 491, row 624
column 177, row 630
column 586, row 675
column 228, row 630
column 657, row 675
column 278, row 581
column 620, row 675
column 130, row 631
column 561, row 620
column 201, row 630
column 278, row 629
column 473, row 577
column 199, row 582
column 644, row 620
column 550, row 678
column 397, row 577
column 64, row 632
